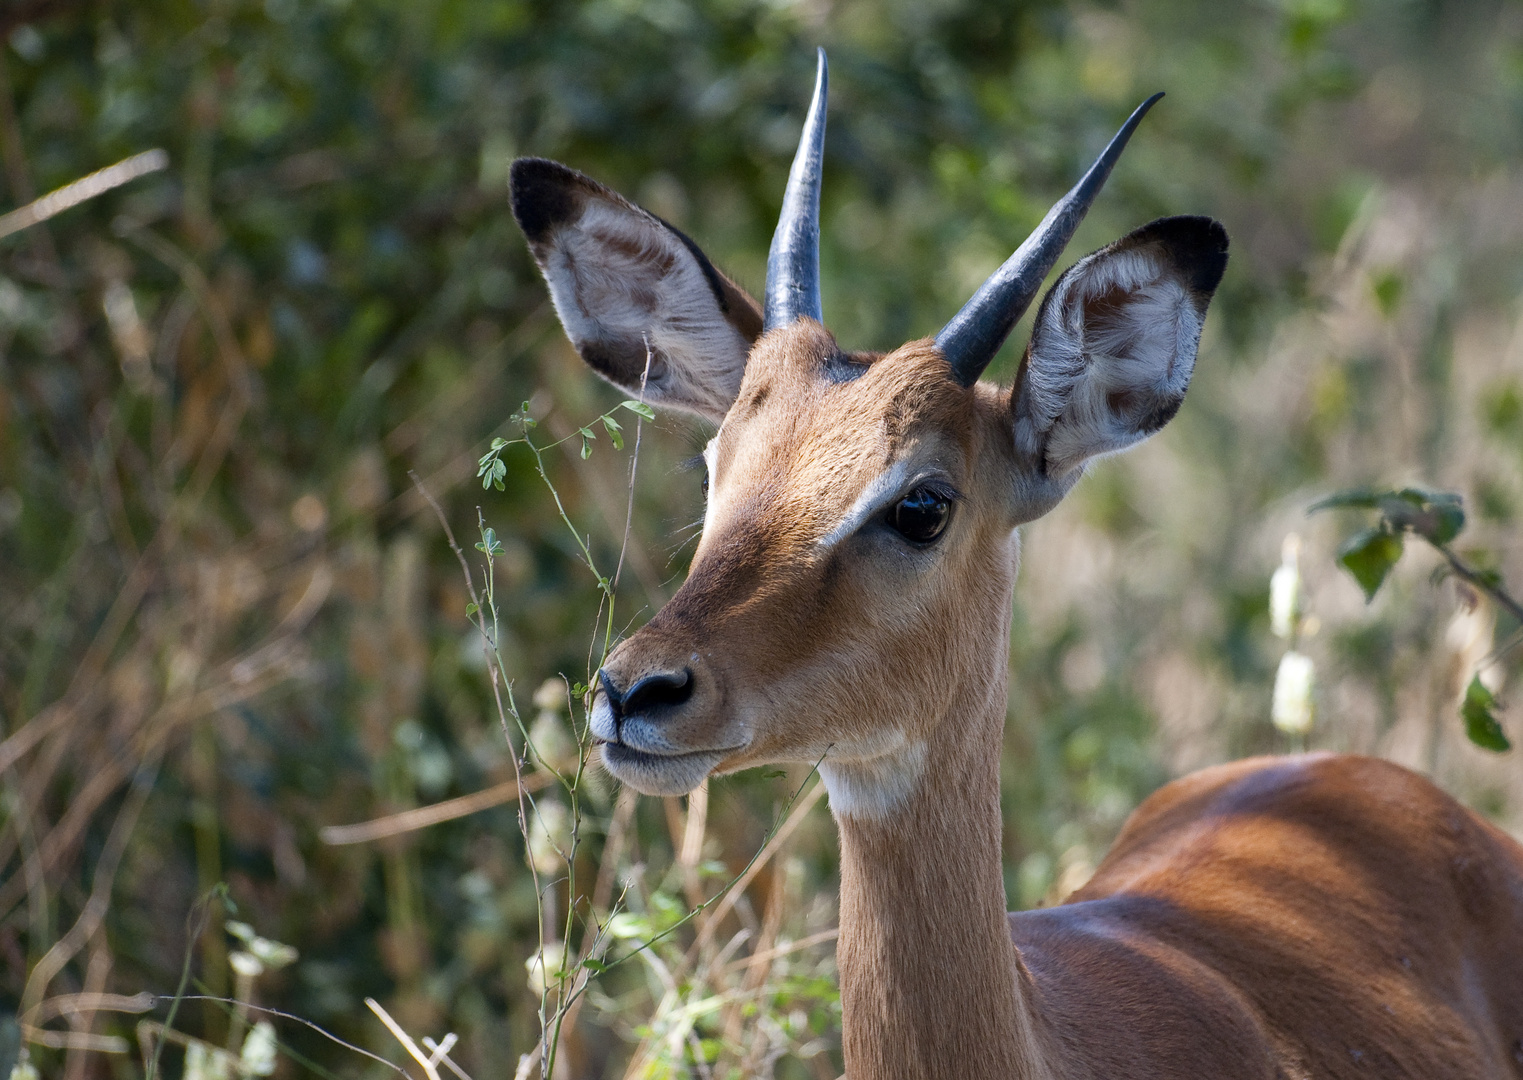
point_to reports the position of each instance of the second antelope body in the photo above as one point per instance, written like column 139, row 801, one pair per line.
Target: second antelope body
column 1310, row 917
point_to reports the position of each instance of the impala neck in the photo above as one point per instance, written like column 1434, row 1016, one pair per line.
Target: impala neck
column 930, row 984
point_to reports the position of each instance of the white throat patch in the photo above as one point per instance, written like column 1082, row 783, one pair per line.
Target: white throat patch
column 876, row 788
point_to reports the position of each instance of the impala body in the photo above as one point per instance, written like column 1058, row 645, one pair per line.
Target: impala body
column 849, row 602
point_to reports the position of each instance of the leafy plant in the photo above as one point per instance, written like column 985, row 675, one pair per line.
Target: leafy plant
column 1437, row 518
column 694, row 984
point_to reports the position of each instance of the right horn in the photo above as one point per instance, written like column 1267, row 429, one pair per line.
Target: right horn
column 793, row 263
column 976, row 332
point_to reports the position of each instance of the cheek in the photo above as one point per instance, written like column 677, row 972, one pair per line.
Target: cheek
column 865, row 655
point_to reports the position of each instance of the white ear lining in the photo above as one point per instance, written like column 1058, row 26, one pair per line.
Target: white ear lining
column 616, row 277
column 1102, row 377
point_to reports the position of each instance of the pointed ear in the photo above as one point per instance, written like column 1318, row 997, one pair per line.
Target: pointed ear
column 622, row 278
column 1113, row 347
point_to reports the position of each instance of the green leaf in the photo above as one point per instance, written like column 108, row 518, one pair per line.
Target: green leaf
column 492, row 470
column 1369, row 556
column 586, row 449
column 1481, row 726
column 498, row 444
column 640, row 408
column 614, row 432
column 775, row 774
column 1437, row 516
column 1358, row 498
column 1388, row 289
column 1448, row 521
column 488, row 544
column 471, row 609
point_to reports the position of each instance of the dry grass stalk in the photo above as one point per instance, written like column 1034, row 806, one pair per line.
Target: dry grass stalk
column 83, row 189
column 423, row 816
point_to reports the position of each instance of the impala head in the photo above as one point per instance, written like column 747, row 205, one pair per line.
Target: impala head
column 853, row 577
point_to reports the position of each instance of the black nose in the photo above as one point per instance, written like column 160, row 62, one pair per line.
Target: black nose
column 651, row 692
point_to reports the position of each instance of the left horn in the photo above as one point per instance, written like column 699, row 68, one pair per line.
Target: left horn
column 793, row 263
column 976, row 332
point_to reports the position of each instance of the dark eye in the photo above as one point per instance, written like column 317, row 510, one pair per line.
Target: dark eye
column 697, row 462
column 921, row 515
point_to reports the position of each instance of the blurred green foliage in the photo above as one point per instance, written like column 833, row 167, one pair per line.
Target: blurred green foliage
column 217, row 577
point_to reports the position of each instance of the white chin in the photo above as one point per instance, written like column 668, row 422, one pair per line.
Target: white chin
column 654, row 774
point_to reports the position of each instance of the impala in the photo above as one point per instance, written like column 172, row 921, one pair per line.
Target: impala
column 1314, row 916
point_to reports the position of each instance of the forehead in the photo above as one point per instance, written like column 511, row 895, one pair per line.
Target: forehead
column 804, row 405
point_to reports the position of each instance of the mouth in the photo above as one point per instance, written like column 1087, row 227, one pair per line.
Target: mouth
column 661, row 774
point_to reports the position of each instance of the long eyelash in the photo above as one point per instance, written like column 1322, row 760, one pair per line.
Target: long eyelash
column 941, row 489
column 691, row 464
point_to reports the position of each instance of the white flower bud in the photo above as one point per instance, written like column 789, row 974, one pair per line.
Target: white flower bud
column 553, row 744
column 272, row 954
column 551, row 695
column 1292, row 708
column 258, row 1056
column 203, row 1062
column 1285, row 590
column 246, row 964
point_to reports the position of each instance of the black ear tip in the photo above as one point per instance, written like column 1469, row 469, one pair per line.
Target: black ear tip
column 543, row 194
column 1198, row 246
column 1212, row 256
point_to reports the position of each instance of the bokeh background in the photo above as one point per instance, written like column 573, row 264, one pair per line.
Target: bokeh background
column 229, row 619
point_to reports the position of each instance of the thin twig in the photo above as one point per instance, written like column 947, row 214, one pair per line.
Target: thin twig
column 1480, row 581
column 449, row 535
column 774, row 843
column 784, row 950
column 423, row 816
column 634, row 462
column 195, row 925
column 295, row 1020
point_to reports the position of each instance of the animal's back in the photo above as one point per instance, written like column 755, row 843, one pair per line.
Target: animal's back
column 1316, row 916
